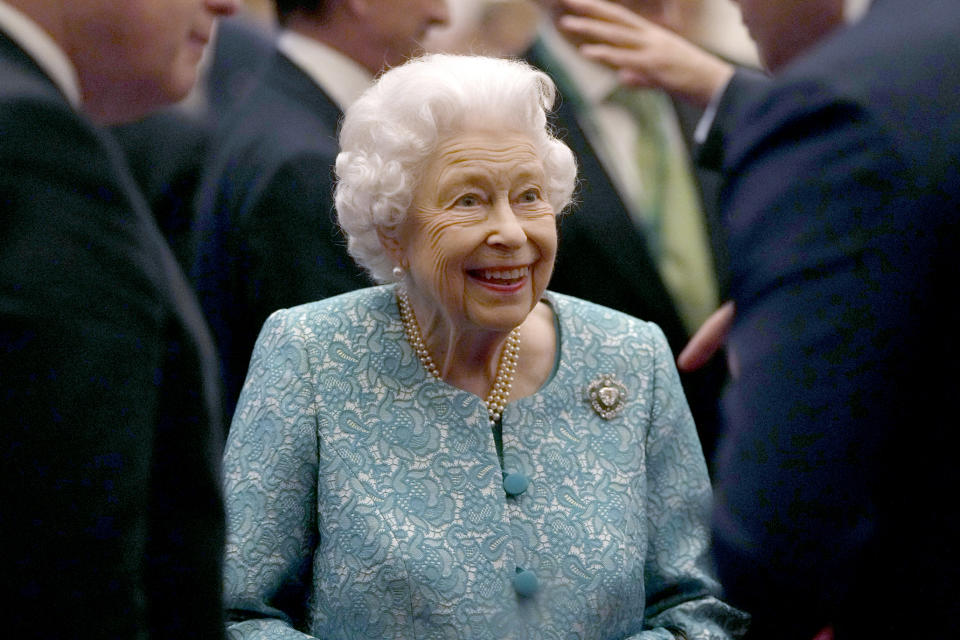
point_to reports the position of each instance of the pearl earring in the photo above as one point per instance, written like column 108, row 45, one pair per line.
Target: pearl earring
column 398, row 272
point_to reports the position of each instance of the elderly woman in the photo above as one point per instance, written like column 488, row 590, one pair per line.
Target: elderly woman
column 461, row 454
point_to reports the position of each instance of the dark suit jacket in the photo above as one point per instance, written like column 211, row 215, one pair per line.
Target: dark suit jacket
column 165, row 152
column 241, row 50
column 604, row 258
column 836, row 482
column 744, row 86
column 266, row 236
column 110, row 438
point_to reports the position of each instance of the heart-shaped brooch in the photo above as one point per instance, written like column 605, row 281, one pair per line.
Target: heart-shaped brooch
column 607, row 395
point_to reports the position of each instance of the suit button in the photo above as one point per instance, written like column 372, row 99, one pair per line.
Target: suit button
column 515, row 484
column 525, row 582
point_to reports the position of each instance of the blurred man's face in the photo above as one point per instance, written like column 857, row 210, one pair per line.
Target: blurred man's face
column 398, row 27
column 135, row 55
column 784, row 29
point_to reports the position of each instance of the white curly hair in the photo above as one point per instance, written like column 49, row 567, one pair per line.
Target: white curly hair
column 390, row 132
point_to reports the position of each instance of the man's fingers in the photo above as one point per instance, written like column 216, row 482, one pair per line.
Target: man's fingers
column 708, row 339
column 600, row 31
column 608, row 11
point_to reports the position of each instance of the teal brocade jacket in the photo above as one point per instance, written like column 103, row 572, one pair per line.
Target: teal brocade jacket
column 366, row 500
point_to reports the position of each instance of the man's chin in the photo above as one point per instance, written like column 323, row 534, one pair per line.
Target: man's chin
column 118, row 109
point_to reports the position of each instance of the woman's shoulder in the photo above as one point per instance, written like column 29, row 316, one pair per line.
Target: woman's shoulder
column 599, row 343
column 576, row 312
column 351, row 311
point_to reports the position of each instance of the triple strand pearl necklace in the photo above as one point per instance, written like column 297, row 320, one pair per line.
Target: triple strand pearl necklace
column 496, row 400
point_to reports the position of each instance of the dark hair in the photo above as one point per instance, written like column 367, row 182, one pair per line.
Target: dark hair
column 285, row 8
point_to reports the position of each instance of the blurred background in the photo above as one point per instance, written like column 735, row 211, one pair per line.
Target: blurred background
column 505, row 27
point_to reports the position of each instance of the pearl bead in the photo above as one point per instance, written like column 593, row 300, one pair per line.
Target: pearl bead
column 496, row 399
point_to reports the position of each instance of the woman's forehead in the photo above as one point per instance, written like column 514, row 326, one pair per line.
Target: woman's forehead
column 470, row 159
column 484, row 145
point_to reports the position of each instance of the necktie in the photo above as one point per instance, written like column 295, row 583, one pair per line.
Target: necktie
column 670, row 204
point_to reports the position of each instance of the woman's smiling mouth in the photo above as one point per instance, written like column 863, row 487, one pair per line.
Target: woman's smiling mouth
column 500, row 277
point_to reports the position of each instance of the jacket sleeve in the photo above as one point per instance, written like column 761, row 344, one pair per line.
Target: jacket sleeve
column 270, row 491
column 682, row 594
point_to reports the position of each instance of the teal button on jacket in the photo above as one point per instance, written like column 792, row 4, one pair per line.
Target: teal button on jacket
column 366, row 500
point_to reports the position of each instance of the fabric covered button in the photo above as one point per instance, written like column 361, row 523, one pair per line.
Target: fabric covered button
column 515, row 484
column 525, row 582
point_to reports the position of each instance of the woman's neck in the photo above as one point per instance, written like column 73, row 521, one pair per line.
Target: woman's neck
column 469, row 358
column 466, row 359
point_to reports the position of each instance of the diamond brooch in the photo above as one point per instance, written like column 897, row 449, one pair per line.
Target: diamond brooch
column 606, row 395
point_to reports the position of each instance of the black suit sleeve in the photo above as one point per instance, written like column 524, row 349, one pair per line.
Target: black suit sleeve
column 835, row 259
column 85, row 376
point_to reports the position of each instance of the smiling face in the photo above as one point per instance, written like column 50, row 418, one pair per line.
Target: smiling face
column 134, row 55
column 480, row 238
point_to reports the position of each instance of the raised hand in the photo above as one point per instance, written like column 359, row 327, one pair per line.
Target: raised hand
column 645, row 53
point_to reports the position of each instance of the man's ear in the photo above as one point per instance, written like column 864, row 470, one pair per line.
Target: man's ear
column 390, row 241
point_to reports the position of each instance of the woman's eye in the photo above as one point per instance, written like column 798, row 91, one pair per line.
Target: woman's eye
column 530, row 196
column 469, row 200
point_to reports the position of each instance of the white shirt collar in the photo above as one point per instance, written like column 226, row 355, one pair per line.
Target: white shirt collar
column 339, row 75
column 594, row 81
column 853, row 10
column 43, row 49
column 710, row 114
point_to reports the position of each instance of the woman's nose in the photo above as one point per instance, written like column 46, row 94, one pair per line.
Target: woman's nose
column 506, row 229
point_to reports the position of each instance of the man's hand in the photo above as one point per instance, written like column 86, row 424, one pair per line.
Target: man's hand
column 645, row 53
column 707, row 340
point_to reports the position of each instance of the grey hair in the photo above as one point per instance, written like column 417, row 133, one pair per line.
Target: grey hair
column 390, row 132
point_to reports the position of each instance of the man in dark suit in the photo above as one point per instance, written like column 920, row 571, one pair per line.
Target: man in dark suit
column 841, row 209
column 265, row 235
column 610, row 252
column 843, row 217
column 111, row 431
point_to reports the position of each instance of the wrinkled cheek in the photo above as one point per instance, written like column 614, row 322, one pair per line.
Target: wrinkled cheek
column 546, row 240
column 546, row 234
column 442, row 282
column 441, row 276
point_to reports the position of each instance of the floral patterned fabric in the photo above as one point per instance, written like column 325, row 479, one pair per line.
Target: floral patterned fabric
column 366, row 500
